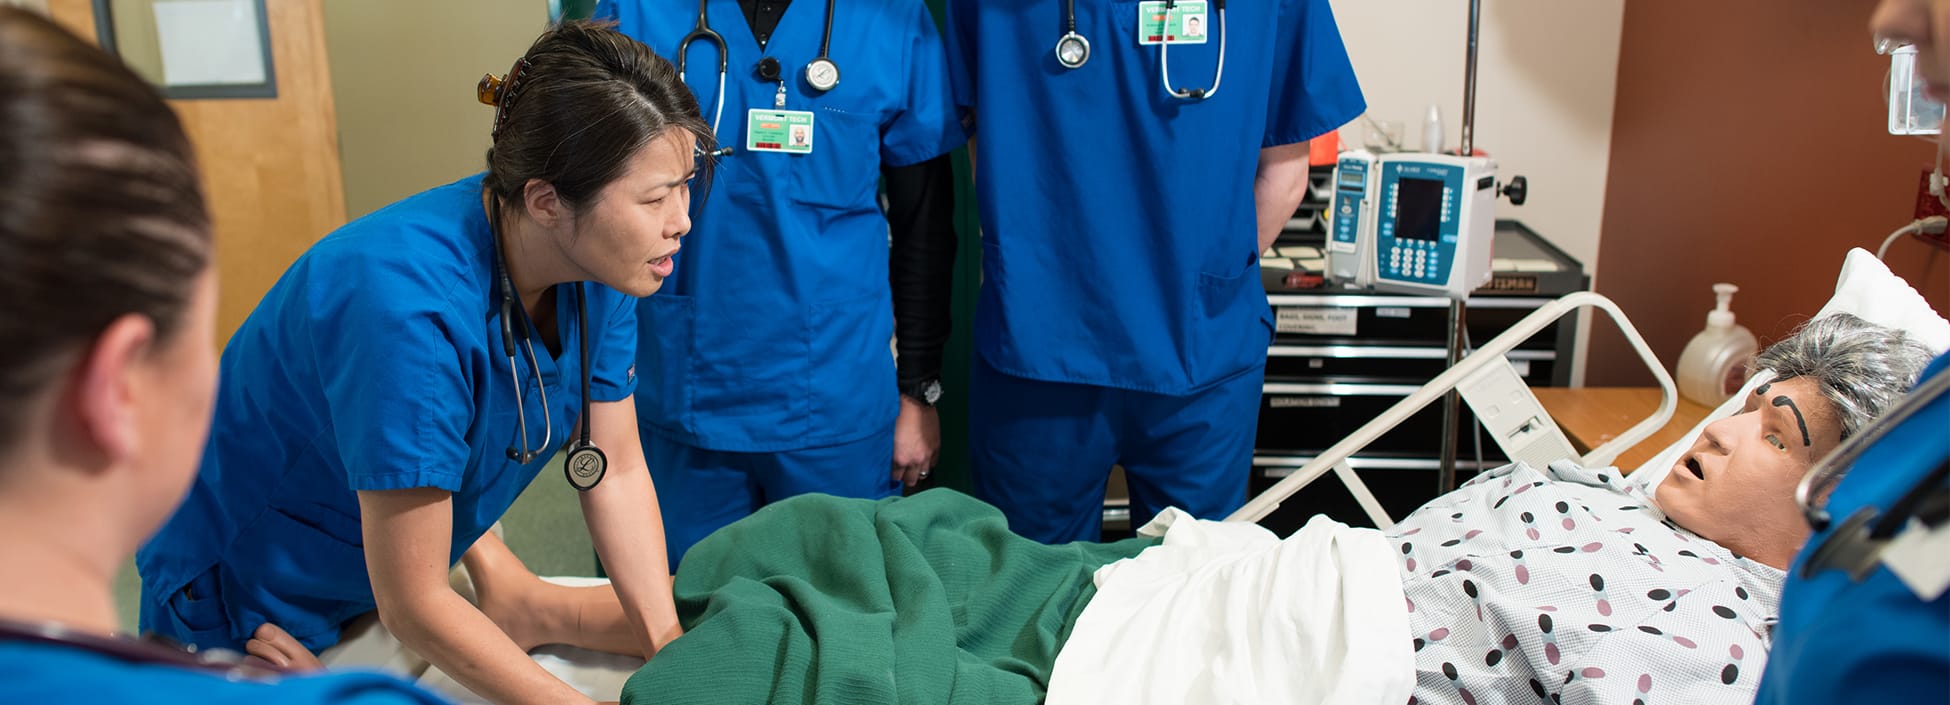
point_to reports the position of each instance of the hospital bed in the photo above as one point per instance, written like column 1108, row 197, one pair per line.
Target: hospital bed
column 1510, row 413
column 1515, row 419
column 1486, row 374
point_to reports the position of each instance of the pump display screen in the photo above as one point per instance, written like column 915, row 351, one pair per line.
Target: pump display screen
column 1418, row 209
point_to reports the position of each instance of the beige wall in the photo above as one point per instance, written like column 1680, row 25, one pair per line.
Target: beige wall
column 403, row 74
column 1546, row 77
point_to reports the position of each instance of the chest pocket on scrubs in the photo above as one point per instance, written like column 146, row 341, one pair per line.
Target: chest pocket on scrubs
column 842, row 171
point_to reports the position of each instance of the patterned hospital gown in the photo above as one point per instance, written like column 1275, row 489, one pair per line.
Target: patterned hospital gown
column 1568, row 586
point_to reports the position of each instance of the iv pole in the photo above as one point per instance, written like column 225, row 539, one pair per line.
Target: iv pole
column 1452, row 402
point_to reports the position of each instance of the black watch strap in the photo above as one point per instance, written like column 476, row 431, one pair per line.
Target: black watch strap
column 927, row 391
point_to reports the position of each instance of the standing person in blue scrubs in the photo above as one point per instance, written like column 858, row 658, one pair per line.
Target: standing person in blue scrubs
column 770, row 345
column 1130, row 172
column 1865, row 616
column 108, row 306
column 412, row 372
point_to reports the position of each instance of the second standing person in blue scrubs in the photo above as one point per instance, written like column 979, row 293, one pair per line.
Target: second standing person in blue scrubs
column 1131, row 168
column 414, row 371
column 771, row 343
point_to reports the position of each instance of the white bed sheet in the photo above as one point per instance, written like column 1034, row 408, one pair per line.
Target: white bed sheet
column 1227, row 612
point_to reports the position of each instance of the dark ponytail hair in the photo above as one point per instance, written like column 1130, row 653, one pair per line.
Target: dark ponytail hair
column 577, row 106
column 101, row 213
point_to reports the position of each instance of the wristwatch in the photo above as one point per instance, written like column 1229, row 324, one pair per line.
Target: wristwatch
column 927, row 391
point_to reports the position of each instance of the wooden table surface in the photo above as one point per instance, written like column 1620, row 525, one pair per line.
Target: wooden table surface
column 1590, row 416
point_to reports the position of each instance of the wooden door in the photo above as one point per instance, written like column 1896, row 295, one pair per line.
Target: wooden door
column 270, row 166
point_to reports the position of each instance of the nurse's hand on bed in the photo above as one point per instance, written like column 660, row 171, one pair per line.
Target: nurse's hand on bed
column 274, row 646
column 917, row 441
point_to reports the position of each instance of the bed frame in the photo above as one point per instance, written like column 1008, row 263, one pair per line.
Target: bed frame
column 1484, row 377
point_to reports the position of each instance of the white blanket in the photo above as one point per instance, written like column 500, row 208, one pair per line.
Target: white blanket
column 1230, row 613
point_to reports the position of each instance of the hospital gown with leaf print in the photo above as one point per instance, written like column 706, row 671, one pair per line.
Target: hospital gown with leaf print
column 1569, row 586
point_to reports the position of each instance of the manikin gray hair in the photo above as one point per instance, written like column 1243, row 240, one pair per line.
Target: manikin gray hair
column 1861, row 367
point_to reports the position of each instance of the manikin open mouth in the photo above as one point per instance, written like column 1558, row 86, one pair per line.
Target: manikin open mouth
column 1693, row 465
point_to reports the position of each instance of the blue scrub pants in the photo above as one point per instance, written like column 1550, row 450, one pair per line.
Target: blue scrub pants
column 1043, row 451
column 702, row 490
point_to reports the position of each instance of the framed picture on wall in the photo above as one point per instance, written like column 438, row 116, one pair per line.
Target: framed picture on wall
column 192, row 49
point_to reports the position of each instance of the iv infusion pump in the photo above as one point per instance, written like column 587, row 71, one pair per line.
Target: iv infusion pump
column 1414, row 223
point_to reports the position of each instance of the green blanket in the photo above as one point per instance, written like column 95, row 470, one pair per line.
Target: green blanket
column 928, row 599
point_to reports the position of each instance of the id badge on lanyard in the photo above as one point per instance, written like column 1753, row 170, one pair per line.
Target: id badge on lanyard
column 1186, row 23
column 788, row 131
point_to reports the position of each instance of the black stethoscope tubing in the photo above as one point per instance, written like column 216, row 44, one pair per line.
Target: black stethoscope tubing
column 702, row 31
column 586, row 464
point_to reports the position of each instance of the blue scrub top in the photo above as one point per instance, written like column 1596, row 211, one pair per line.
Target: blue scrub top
column 40, row 673
column 773, row 334
column 374, row 363
column 1874, row 641
column 1119, row 236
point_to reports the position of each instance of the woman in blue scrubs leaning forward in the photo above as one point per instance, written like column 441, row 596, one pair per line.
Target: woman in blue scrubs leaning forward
column 107, row 307
column 411, row 374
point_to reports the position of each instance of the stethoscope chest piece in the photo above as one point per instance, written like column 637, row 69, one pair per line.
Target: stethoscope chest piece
column 1072, row 50
column 822, row 74
column 585, row 467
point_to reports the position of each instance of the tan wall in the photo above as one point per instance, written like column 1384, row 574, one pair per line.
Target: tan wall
column 403, row 77
column 1748, row 147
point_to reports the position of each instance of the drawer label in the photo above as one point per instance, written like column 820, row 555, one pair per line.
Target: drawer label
column 1314, row 320
column 1391, row 312
column 1304, row 402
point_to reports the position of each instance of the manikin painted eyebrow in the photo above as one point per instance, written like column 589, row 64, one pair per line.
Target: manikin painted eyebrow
column 1789, row 403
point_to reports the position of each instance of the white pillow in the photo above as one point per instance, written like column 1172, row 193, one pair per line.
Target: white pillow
column 1866, row 289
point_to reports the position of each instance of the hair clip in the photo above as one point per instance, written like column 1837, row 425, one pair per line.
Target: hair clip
column 488, row 91
column 501, row 93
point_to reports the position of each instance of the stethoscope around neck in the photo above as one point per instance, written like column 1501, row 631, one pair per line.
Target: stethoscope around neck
column 822, row 73
column 1856, row 545
column 1073, row 50
column 586, row 464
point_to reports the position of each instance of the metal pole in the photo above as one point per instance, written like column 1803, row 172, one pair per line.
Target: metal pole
column 1469, row 81
column 1451, row 403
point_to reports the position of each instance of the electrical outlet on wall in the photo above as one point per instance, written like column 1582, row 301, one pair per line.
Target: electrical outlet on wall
column 1927, row 204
